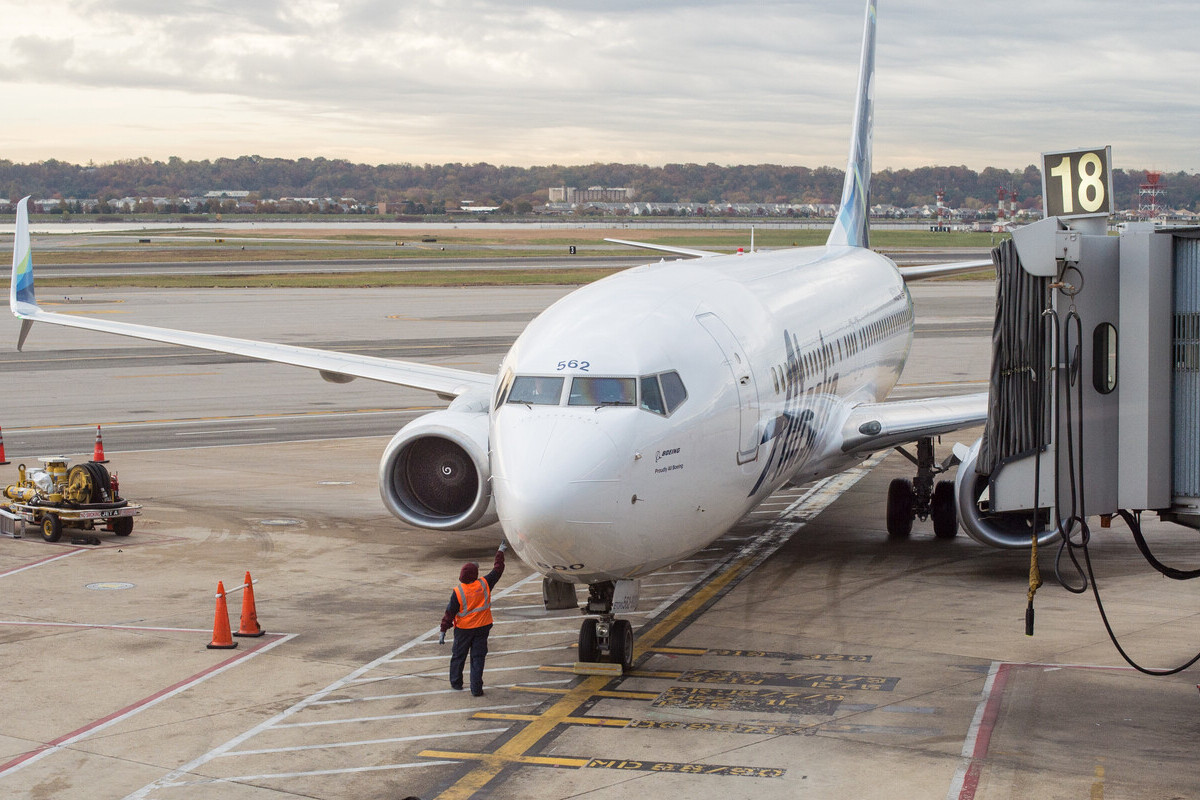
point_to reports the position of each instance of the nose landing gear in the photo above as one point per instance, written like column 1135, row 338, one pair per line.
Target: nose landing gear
column 606, row 638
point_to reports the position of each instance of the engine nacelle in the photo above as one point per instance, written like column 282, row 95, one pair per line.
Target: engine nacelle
column 436, row 474
column 1010, row 530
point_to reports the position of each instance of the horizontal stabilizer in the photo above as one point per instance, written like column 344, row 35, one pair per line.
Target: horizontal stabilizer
column 666, row 248
column 922, row 271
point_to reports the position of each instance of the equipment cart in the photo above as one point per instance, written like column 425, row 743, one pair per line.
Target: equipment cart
column 58, row 496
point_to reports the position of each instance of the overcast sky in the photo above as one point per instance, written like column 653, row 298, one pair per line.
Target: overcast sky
column 525, row 82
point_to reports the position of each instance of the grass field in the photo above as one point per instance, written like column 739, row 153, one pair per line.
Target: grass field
column 512, row 244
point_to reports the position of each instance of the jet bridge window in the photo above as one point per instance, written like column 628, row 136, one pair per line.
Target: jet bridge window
column 603, row 392
column 536, row 390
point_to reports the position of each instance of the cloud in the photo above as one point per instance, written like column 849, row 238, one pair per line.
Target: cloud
column 535, row 82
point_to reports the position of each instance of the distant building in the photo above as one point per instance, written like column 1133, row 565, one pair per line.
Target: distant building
column 592, row 194
column 221, row 194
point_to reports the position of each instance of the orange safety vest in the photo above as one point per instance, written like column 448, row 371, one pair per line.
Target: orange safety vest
column 474, row 604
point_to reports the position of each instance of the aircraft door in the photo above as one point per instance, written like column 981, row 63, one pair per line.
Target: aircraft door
column 743, row 379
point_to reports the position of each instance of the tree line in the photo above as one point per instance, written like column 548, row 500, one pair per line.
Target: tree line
column 433, row 185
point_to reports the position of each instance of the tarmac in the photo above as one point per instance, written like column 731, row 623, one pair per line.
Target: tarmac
column 805, row 654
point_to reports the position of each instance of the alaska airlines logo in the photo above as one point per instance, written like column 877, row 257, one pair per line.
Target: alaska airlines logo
column 793, row 434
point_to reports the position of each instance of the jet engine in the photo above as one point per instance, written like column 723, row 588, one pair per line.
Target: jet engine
column 435, row 473
column 1010, row 530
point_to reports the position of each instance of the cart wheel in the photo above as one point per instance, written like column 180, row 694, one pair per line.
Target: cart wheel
column 122, row 526
column 51, row 528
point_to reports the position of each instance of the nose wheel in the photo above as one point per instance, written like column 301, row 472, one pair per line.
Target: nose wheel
column 605, row 638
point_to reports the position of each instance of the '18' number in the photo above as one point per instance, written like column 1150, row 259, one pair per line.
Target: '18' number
column 1090, row 190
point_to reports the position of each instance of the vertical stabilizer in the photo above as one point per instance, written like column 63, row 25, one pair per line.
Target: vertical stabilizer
column 851, row 227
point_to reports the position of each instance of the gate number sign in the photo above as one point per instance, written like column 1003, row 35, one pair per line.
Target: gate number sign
column 1077, row 183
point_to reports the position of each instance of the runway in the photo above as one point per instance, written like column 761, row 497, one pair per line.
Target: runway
column 779, row 663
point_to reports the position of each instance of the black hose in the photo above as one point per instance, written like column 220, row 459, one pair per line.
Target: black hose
column 1133, row 520
column 1066, row 526
column 1076, row 481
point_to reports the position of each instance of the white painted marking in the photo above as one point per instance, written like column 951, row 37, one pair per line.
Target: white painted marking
column 224, row 430
column 41, row 563
column 370, row 698
column 559, row 632
column 35, row 624
column 445, row 673
column 490, row 654
column 278, row 775
column 331, row 745
column 968, row 748
column 412, row 715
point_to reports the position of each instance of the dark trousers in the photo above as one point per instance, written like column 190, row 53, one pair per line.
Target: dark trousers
column 473, row 641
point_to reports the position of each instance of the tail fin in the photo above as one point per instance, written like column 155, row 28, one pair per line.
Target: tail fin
column 851, row 227
column 21, row 299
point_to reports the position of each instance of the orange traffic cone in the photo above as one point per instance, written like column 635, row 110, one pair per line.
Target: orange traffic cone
column 249, row 625
column 98, row 453
column 221, row 640
column 3, row 460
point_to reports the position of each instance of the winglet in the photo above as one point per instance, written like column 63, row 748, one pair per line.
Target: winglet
column 21, row 299
column 851, row 227
column 22, row 270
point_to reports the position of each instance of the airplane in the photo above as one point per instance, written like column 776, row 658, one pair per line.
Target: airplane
column 637, row 419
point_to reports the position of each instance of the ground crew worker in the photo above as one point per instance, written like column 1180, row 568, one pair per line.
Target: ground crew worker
column 469, row 612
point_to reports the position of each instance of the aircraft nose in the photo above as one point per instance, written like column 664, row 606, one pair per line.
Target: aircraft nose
column 552, row 474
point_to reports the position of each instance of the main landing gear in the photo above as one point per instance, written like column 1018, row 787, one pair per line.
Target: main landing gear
column 909, row 499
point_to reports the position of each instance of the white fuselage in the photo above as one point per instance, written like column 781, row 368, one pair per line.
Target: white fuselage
column 773, row 350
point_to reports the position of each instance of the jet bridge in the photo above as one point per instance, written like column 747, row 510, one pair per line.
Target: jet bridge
column 1094, row 406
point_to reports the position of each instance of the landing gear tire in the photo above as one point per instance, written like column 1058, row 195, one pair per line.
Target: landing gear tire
column 900, row 513
column 943, row 509
column 620, row 644
column 51, row 528
column 589, row 649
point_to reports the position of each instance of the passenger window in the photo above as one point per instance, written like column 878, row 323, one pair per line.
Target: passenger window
column 652, row 395
column 536, row 390
column 673, row 391
column 602, row 392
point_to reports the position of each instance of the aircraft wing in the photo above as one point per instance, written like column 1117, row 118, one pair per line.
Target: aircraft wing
column 333, row 366
column 938, row 270
column 877, row 426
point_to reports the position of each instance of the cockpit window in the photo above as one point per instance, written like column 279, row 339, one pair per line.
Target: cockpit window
column 673, row 391
column 652, row 396
column 536, row 390
column 663, row 393
column 502, row 390
column 603, row 392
